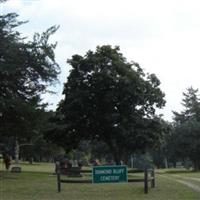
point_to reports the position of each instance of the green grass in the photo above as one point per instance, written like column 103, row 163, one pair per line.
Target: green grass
column 37, row 182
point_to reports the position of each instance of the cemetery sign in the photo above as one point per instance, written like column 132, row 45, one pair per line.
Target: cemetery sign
column 109, row 174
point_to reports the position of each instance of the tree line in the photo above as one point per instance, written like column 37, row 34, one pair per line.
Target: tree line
column 109, row 105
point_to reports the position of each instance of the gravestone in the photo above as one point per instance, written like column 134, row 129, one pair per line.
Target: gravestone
column 16, row 169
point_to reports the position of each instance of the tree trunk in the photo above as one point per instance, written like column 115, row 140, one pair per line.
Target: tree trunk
column 158, row 166
column 166, row 163
column 30, row 160
column 16, row 151
column 196, row 164
column 114, row 152
column 117, row 160
column 125, row 158
column 132, row 159
column 117, row 157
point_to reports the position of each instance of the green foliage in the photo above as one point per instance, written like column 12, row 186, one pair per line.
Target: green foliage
column 187, row 142
column 163, row 151
column 27, row 68
column 186, row 135
column 191, row 104
column 109, row 99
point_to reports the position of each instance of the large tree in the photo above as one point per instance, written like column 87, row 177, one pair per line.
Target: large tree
column 186, row 135
column 109, row 99
column 27, row 68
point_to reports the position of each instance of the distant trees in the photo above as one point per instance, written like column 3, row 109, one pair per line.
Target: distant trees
column 181, row 141
column 27, row 68
column 161, row 154
column 186, row 136
column 110, row 100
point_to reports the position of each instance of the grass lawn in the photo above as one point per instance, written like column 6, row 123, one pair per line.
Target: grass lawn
column 37, row 182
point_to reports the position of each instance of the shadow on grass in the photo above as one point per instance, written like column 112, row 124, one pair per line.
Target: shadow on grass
column 32, row 164
column 11, row 174
column 37, row 172
column 7, row 175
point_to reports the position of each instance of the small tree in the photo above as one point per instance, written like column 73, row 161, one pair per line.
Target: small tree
column 109, row 99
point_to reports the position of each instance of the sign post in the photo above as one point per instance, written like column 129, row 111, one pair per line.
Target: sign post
column 109, row 174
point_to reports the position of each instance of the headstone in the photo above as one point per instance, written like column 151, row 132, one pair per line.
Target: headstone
column 16, row 169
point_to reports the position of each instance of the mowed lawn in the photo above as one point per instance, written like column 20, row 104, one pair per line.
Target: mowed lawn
column 37, row 182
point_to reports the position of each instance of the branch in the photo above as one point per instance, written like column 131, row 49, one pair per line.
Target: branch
column 26, row 144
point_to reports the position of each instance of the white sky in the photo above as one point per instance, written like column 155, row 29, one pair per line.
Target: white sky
column 162, row 36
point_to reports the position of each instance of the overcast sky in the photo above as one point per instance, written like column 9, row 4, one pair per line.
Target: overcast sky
column 162, row 36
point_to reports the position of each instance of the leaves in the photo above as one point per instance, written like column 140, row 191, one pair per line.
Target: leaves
column 186, row 127
column 26, row 69
column 108, row 98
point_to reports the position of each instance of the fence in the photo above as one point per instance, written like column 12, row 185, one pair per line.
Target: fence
column 149, row 176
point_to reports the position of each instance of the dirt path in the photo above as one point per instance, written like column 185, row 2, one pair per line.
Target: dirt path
column 184, row 182
column 190, row 185
column 187, row 178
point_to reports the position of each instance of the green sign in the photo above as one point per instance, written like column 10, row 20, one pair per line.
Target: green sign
column 109, row 174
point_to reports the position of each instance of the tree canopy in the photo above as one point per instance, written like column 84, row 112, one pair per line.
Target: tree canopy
column 186, row 135
column 27, row 68
column 109, row 99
